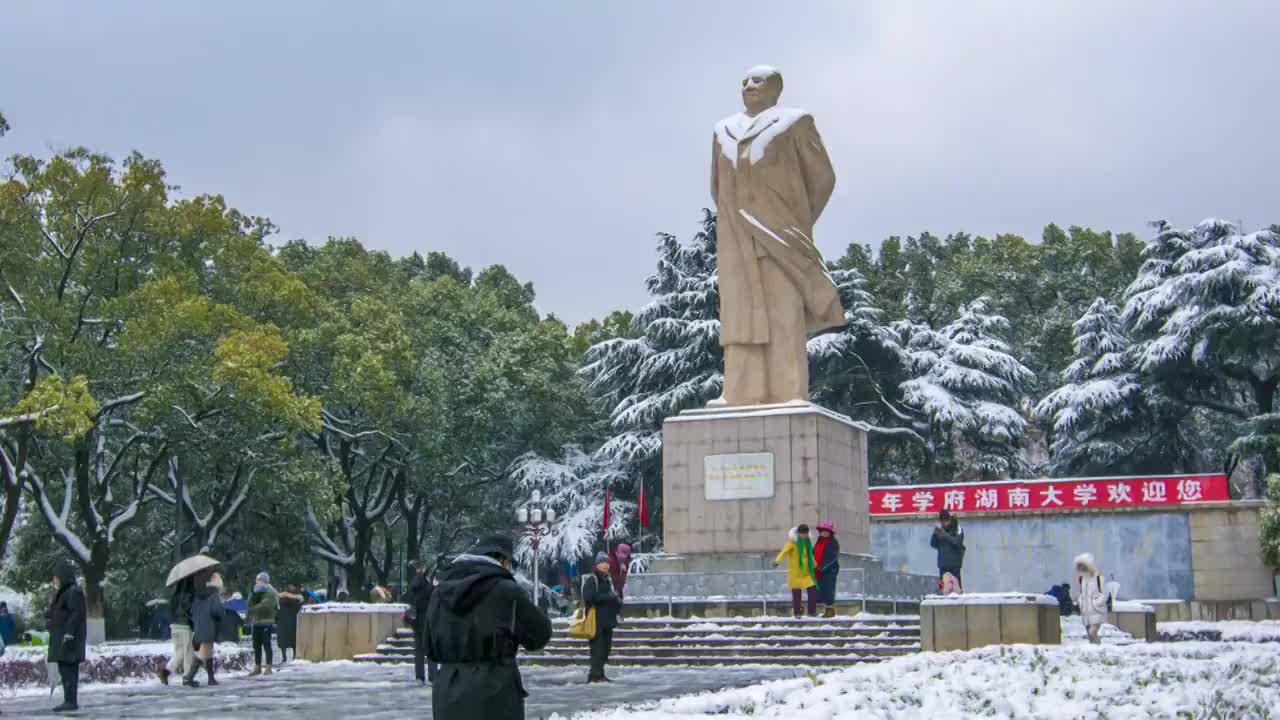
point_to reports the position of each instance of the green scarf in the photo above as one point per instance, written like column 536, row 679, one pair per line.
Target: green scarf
column 804, row 547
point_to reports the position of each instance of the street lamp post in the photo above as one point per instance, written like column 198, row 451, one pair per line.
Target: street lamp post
column 535, row 521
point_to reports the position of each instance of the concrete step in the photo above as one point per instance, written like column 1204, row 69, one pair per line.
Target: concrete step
column 814, row 642
column 809, row 661
column 685, row 638
column 731, row 651
column 710, row 648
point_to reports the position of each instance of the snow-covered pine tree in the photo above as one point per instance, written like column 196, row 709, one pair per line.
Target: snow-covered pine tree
column 674, row 364
column 1206, row 308
column 574, row 487
column 849, row 371
column 1093, row 411
column 967, row 386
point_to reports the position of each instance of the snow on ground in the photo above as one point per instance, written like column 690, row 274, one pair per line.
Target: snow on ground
column 1141, row 680
column 1263, row 631
column 344, row 690
column 1073, row 632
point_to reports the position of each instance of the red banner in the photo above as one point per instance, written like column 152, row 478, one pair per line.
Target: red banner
column 1042, row 495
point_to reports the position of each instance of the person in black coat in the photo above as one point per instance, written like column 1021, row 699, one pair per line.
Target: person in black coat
column 68, row 626
column 948, row 540
column 598, row 593
column 477, row 619
column 420, row 591
column 287, row 622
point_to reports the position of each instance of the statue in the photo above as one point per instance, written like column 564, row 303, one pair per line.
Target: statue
column 770, row 180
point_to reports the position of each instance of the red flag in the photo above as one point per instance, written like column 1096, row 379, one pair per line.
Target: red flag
column 604, row 527
column 644, row 507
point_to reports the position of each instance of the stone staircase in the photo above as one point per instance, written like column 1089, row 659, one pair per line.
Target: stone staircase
column 727, row 641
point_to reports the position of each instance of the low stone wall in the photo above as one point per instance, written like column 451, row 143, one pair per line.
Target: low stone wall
column 1214, row 610
column 964, row 622
column 1207, row 553
column 341, row 631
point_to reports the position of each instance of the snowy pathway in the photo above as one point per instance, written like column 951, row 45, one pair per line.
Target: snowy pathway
column 345, row 690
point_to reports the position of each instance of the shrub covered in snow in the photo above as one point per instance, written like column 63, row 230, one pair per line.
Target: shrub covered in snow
column 1200, row 680
column 27, row 667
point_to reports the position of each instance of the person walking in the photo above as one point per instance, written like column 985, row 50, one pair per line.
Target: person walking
column 598, row 594
column 264, row 603
column 180, row 631
column 948, row 540
column 477, row 619
column 421, row 588
column 287, row 622
column 1094, row 600
column 68, row 626
column 8, row 627
column 826, row 557
column 206, row 615
column 798, row 554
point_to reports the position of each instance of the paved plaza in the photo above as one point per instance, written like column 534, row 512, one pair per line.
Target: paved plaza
column 343, row 690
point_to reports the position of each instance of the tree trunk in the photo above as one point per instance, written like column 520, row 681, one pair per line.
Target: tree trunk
column 12, row 499
column 94, row 596
column 181, row 528
column 411, row 539
column 358, row 572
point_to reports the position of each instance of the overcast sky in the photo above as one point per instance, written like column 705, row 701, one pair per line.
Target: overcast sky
column 558, row 137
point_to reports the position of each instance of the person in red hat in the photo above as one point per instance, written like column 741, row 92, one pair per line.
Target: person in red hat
column 826, row 557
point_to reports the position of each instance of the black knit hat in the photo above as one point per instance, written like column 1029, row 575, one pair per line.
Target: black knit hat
column 495, row 544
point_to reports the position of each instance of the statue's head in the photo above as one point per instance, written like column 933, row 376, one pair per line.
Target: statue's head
column 761, row 88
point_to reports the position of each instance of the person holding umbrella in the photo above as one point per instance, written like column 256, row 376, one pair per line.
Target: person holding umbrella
column 182, row 578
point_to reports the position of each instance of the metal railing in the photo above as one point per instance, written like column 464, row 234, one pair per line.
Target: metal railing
column 764, row 585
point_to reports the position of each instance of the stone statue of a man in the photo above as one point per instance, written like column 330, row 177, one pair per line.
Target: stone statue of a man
column 770, row 179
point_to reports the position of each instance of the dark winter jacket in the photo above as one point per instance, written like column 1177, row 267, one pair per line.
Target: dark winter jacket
column 229, row 625
column 8, row 629
column 180, row 605
column 477, row 618
column 68, row 621
column 206, row 616
column 597, row 592
column 420, row 591
column 287, row 620
column 949, row 541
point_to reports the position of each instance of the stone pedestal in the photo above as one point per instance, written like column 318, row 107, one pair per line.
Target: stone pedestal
column 964, row 622
column 341, row 631
column 1136, row 619
column 735, row 480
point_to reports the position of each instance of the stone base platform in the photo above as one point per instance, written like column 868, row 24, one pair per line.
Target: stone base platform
column 964, row 622
column 737, row 479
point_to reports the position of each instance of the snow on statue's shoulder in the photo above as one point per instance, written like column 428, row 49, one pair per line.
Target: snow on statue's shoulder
column 762, row 128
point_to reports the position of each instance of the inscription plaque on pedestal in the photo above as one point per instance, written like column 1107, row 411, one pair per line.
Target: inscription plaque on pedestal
column 738, row 476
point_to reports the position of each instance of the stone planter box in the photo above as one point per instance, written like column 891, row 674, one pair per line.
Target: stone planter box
column 1137, row 619
column 340, row 631
column 964, row 622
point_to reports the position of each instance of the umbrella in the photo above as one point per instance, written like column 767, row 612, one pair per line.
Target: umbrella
column 189, row 567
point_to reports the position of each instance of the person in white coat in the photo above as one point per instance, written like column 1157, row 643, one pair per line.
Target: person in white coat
column 1093, row 598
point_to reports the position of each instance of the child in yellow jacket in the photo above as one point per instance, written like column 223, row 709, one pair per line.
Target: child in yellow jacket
column 798, row 553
